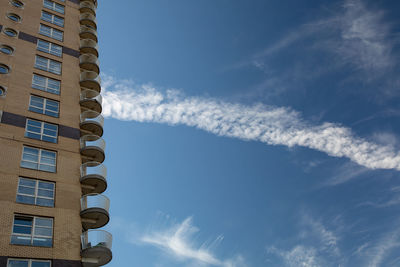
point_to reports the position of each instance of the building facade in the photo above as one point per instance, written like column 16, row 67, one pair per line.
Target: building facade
column 52, row 176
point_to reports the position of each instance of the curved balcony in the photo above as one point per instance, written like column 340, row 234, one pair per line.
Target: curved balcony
column 92, row 148
column 88, row 20
column 87, row 7
column 91, row 122
column 88, row 33
column 88, row 46
column 90, row 80
column 94, row 211
column 89, row 62
column 96, row 248
column 91, row 99
column 93, row 177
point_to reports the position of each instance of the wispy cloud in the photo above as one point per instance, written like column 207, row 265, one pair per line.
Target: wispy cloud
column 356, row 35
column 271, row 125
column 376, row 254
column 299, row 256
column 317, row 246
column 178, row 241
column 345, row 173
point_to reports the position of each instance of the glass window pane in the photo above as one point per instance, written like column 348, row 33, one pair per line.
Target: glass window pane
column 42, row 231
column 42, row 242
column 40, row 264
column 25, row 199
column 22, row 229
column 20, row 240
column 47, row 168
column 30, row 150
column 18, row 263
column 27, row 182
column 26, row 190
column 29, row 165
column 45, row 202
column 44, row 222
column 46, row 185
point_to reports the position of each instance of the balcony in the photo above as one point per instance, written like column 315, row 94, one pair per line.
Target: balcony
column 91, row 99
column 90, row 80
column 93, row 178
column 92, row 148
column 91, row 122
column 89, row 62
column 88, row 33
column 87, row 7
column 94, row 211
column 96, row 248
column 88, row 20
column 88, row 46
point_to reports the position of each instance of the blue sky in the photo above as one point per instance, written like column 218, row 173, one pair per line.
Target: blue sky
column 252, row 133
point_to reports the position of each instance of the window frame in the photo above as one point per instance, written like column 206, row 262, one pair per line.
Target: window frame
column 30, row 261
column 7, row 30
column 11, row 17
column 52, row 31
column 51, row 48
column 17, row 3
column 53, row 19
column 42, row 135
column 53, row 6
column 49, row 66
column 46, row 85
column 33, row 228
column 45, row 110
column 7, row 68
column 39, row 159
column 36, row 189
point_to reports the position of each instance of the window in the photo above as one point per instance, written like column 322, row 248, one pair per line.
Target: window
column 53, row 6
column 28, row 263
column 51, row 32
column 50, row 48
column 32, row 231
column 17, row 3
column 3, row 92
column 46, row 84
column 38, row 159
column 49, row 65
column 8, row 50
column 35, row 192
column 14, row 17
column 46, row 16
column 4, row 69
column 44, row 106
column 10, row 32
column 41, row 130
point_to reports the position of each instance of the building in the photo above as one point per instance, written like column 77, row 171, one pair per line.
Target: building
column 51, row 152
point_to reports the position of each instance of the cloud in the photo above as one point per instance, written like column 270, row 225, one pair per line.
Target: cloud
column 299, row 256
column 365, row 37
column 356, row 35
column 317, row 246
column 178, row 241
column 345, row 173
column 267, row 124
column 377, row 254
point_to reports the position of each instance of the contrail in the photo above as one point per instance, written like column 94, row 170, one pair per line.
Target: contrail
column 270, row 125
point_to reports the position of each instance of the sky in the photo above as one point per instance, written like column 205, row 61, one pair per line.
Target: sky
column 252, row 133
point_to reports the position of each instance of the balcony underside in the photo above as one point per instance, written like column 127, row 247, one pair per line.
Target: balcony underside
column 92, row 127
column 91, row 84
column 92, row 153
column 91, row 104
column 96, row 256
column 93, row 218
column 93, row 183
